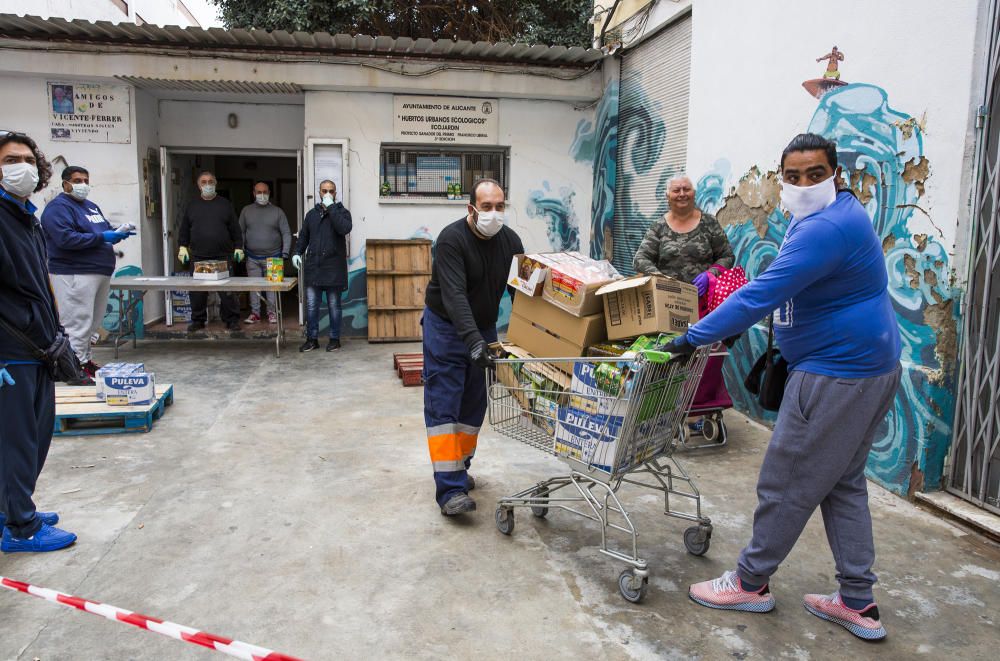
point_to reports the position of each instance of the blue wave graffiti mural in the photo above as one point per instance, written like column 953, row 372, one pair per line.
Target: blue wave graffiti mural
column 881, row 150
column 597, row 143
column 562, row 227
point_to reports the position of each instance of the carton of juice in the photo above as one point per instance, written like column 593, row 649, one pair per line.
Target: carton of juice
column 275, row 269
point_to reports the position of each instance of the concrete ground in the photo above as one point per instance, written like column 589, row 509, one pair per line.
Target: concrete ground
column 288, row 503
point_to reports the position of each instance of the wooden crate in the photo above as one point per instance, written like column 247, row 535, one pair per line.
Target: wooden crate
column 397, row 273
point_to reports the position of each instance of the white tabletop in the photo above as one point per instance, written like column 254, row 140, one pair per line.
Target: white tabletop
column 182, row 283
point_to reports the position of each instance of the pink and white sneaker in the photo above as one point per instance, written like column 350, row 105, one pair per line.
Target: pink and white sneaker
column 727, row 593
column 864, row 624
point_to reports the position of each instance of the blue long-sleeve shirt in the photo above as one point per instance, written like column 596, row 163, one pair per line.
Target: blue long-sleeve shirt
column 828, row 291
column 74, row 237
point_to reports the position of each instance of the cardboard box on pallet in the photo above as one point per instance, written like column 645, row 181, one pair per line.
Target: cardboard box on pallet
column 129, row 389
column 547, row 331
column 647, row 305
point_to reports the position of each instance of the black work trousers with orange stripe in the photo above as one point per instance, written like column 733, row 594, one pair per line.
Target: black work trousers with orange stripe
column 454, row 404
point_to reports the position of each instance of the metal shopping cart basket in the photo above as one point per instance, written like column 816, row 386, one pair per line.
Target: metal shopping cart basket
column 613, row 422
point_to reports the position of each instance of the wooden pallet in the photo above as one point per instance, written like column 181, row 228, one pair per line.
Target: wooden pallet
column 397, row 274
column 409, row 367
column 80, row 413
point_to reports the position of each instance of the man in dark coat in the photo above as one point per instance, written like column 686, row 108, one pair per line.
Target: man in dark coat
column 323, row 241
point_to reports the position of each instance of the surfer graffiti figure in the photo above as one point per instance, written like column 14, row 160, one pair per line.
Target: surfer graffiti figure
column 834, row 57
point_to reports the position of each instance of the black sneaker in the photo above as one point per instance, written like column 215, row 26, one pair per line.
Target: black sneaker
column 234, row 326
column 333, row 345
column 470, row 482
column 309, row 345
column 82, row 379
column 196, row 326
column 460, row 503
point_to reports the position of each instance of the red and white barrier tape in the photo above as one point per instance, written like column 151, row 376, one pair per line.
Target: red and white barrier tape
column 234, row 648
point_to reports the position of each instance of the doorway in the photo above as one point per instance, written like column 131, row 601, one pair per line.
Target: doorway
column 236, row 173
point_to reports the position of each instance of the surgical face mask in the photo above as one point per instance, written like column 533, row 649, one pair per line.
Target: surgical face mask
column 328, row 200
column 802, row 201
column 20, row 179
column 488, row 223
column 208, row 190
column 79, row 191
column 262, row 198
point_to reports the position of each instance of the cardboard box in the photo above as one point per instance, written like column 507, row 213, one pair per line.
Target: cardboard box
column 527, row 275
column 217, row 269
column 573, row 281
column 115, row 369
column 648, row 304
column 588, row 437
column 547, row 331
column 129, row 389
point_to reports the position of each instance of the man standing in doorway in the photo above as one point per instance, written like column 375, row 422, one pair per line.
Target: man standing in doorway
column 210, row 231
column 265, row 234
column 27, row 392
column 471, row 263
column 323, row 241
column 81, row 261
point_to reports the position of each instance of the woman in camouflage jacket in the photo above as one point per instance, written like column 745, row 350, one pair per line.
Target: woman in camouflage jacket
column 685, row 243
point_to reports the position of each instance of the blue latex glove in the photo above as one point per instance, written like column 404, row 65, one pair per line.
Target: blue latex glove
column 679, row 346
column 701, row 282
column 5, row 378
column 113, row 237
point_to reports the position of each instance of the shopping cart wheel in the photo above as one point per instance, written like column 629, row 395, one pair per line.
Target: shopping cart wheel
column 710, row 430
column 539, row 510
column 505, row 520
column 632, row 586
column 697, row 539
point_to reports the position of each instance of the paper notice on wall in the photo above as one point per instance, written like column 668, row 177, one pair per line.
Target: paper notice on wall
column 328, row 163
column 86, row 112
column 446, row 120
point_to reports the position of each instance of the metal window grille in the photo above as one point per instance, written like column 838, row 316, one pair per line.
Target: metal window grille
column 422, row 172
column 975, row 453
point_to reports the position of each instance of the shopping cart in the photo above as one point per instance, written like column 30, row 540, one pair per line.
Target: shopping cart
column 613, row 421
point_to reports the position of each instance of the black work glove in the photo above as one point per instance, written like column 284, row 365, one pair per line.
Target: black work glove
column 679, row 346
column 480, row 355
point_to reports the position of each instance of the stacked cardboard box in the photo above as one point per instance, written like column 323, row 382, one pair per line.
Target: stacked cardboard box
column 125, row 384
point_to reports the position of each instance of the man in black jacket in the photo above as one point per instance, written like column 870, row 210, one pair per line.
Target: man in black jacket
column 210, row 231
column 27, row 392
column 471, row 263
column 323, row 240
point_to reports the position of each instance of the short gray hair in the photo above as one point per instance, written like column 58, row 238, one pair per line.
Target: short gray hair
column 678, row 177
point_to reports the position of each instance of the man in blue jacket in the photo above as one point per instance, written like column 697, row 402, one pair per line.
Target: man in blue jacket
column 81, row 261
column 27, row 392
column 835, row 324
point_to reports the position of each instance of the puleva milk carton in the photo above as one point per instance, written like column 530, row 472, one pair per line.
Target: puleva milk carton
column 129, row 389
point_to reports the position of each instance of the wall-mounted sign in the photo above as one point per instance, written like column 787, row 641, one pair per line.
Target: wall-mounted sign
column 87, row 112
column 446, row 120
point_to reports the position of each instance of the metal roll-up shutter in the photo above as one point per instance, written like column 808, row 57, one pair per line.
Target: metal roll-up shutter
column 652, row 134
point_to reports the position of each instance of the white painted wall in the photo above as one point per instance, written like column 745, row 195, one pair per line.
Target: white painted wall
column 205, row 124
column 151, row 242
column 747, row 99
column 159, row 12
column 539, row 134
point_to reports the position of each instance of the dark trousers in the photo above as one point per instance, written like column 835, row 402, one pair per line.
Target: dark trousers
column 229, row 305
column 454, row 404
column 27, row 412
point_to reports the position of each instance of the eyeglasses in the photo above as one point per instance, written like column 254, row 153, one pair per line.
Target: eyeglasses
column 4, row 133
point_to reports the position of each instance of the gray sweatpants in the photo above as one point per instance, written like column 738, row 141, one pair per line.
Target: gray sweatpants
column 82, row 300
column 816, row 457
column 257, row 268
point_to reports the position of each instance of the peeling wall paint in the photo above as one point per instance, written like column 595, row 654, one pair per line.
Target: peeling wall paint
column 881, row 151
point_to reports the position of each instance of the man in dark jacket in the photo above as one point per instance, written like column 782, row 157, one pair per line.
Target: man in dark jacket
column 323, row 240
column 27, row 392
column 471, row 263
column 210, row 231
column 81, row 261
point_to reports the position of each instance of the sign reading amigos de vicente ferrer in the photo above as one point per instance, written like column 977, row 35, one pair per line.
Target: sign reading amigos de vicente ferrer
column 89, row 112
column 446, row 120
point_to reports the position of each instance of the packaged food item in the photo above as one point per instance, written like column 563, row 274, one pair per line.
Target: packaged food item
column 607, row 350
column 124, row 384
column 567, row 279
column 275, row 269
column 211, row 270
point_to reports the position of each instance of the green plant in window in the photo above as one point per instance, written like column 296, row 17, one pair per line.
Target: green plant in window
column 385, row 189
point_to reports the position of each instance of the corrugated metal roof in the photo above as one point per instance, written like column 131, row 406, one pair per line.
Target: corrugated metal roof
column 232, row 86
column 171, row 36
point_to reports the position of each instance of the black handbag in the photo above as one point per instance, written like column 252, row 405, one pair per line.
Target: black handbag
column 768, row 375
column 59, row 358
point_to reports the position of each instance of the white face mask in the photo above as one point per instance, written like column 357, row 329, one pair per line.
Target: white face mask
column 20, row 179
column 80, row 191
column 328, row 200
column 488, row 223
column 262, row 198
column 208, row 191
column 802, row 201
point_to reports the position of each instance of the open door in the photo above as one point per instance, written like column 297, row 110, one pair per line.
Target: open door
column 300, row 209
column 324, row 159
column 166, row 209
